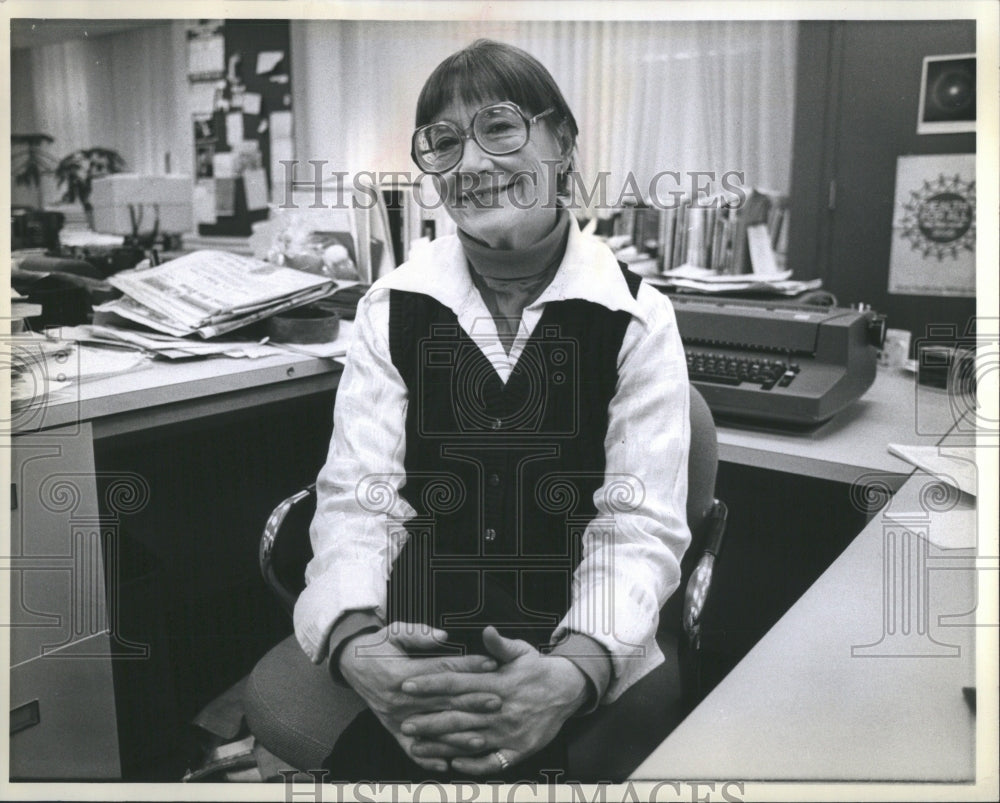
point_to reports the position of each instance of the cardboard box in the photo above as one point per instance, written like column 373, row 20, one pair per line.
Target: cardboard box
column 170, row 196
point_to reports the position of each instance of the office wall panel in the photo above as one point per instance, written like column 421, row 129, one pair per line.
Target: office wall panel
column 856, row 112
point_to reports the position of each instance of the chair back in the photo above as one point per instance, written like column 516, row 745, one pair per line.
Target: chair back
column 703, row 464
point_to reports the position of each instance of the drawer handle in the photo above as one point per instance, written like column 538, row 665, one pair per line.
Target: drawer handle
column 24, row 717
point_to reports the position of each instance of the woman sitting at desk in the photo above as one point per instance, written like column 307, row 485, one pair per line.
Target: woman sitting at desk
column 509, row 453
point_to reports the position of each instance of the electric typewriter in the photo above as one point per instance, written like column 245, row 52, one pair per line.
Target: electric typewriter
column 781, row 364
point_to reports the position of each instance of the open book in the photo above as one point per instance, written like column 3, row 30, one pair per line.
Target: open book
column 211, row 293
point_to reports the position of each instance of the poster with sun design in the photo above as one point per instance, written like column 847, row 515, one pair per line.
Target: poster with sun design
column 934, row 226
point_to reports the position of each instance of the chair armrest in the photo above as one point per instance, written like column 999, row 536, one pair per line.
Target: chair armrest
column 268, row 542
column 700, row 584
column 716, row 527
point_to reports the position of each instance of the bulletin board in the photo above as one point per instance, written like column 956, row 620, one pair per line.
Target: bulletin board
column 240, row 85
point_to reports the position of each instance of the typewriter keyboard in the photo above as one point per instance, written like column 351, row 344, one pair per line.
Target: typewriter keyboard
column 729, row 369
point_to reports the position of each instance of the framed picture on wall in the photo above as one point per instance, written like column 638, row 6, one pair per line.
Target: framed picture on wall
column 948, row 95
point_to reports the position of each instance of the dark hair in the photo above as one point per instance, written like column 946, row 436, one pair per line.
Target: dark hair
column 487, row 70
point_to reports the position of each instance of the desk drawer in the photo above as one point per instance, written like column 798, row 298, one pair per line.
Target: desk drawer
column 56, row 564
column 65, row 709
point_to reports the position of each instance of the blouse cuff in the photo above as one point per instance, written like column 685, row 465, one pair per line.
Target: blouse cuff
column 351, row 624
column 593, row 660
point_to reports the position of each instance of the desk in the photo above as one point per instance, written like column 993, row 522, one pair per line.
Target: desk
column 77, row 496
column 70, row 431
column 843, row 449
column 828, row 695
column 852, row 444
column 164, row 392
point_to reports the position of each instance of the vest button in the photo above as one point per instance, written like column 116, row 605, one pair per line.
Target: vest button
column 493, row 480
column 497, row 423
column 490, row 534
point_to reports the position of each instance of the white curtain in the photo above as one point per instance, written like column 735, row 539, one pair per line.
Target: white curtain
column 125, row 91
column 712, row 96
column 648, row 96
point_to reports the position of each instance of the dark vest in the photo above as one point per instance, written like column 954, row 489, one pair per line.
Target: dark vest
column 501, row 477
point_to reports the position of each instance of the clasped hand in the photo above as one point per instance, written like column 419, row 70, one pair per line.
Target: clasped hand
column 461, row 709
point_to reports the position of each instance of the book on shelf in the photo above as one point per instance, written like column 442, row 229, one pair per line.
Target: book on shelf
column 668, row 229
column 697, row 236
column 754, row 211
column 680, row 236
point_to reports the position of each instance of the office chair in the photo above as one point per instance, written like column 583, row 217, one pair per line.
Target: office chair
column 295, row 711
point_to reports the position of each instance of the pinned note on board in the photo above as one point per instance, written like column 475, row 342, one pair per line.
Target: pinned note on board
column 251, row 102
column 204, row 201
column 225, row 197
column 234, row 128
column 267, row 60
column 223, row 165
column 281, row 125
column 255, row 185
column 202, row 96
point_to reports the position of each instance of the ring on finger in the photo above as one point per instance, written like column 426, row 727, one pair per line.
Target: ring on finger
column 504, row 763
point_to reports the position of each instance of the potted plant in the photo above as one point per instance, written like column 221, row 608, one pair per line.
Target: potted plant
column 77, row 170
column 29, row 165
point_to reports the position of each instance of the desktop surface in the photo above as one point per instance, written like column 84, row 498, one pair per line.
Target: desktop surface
column 857, row 682
column 894, row 410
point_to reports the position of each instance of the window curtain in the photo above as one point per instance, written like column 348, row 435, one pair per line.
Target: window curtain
column 713, row 96
column 125, row 91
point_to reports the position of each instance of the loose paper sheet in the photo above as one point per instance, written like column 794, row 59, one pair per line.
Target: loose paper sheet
column 255, row 185
column 267, row 60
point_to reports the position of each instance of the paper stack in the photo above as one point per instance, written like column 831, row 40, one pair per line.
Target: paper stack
column 703, row 280
column 955, row 466
column 210, row 293
column 42, row 365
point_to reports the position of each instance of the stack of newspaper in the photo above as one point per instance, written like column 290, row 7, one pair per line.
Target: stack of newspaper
column 210, row 293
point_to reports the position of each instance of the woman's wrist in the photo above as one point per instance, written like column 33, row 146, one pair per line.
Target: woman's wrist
column 575, row 688
column 350, row 626
column 593, row 660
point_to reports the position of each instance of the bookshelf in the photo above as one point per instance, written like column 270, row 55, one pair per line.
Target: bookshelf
column 710, row 233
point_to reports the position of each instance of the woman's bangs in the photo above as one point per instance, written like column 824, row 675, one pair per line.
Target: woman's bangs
column 473, row 82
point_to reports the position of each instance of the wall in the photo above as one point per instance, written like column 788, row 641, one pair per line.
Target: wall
column 856, row 111
column 123, row 90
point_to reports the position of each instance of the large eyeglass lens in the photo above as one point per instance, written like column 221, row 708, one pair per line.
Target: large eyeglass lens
column 437, row 147
column 497, row 129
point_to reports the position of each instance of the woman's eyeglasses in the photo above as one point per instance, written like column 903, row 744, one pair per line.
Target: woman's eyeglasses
column 498, row 129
